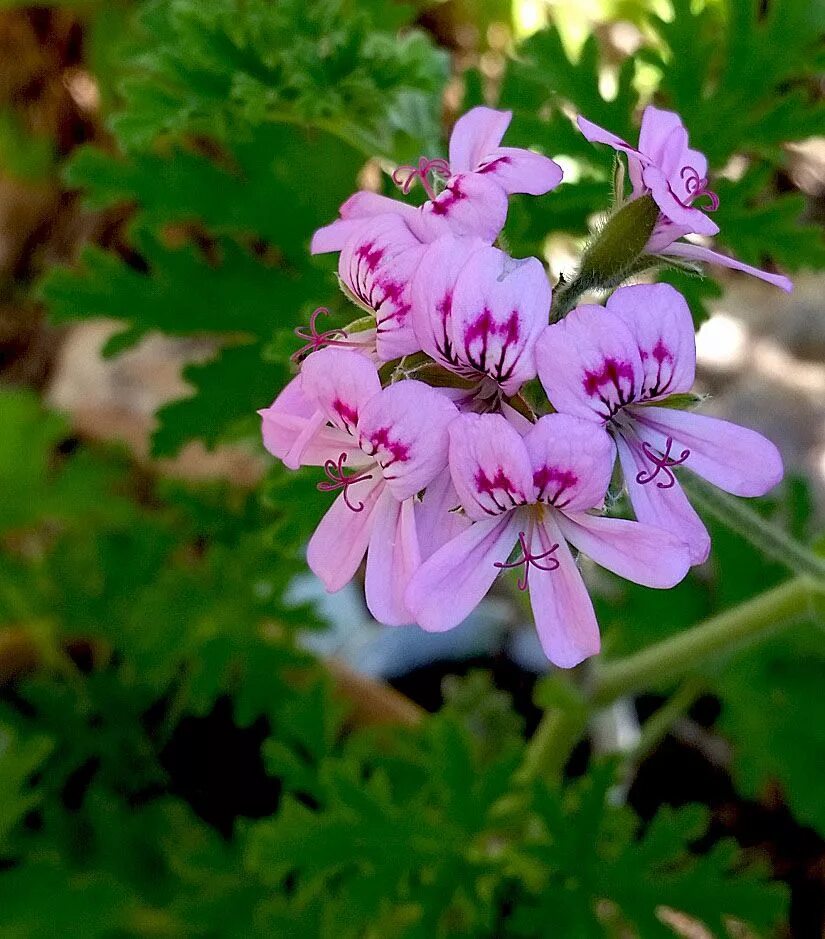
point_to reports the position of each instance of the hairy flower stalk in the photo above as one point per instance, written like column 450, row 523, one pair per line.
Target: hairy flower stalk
column 444, row 478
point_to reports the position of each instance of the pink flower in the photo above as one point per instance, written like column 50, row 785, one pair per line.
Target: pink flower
column 479, row 177
column 664, row 166
column 610, row 365
column 380, row 448
column 479, row 312
column 535, row 492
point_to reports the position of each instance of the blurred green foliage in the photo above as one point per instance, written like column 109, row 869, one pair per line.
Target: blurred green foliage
column 161, row 660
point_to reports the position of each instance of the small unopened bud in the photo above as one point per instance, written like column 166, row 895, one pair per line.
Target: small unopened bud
column 620, row 244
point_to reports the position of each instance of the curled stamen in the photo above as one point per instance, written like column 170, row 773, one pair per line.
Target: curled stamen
column 697, row 186
column 335, row 473
column 316, row 340
column 661, row 463
column 405, row 176
column 527, row 559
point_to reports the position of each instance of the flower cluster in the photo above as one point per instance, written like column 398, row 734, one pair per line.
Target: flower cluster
column 445, row 475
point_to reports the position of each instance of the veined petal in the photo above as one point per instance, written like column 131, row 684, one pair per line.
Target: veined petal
column 405, row 428
column 734, row 458
column 436, row 519
column 470, row 206
column 450, row 584
column 683, row 249
column 589, row 363
column 572, row 461
column 377, row 265
column 340, row 541
column 519, row 170
column 659, row 318
column 641, row 553
column 476, row 134
column 432, row 294
column 499, row 308
column 666, row 508
column 393, row 557
column 489, row 465
column 339, row 382
column 562, row 609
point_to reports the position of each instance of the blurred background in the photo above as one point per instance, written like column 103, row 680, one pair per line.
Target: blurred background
column 194, row 738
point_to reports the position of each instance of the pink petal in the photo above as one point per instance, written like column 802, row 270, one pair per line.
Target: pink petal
column 659, row 318
column 437, row 516
column 589, row 363
column 362, row 205
column 499, row 308
column 295, row 431
column 667, row 509
column 432, row 294
column 377, row 265
column 641, row 553
column 681, row 214
column 340, row 541
column 572, row 461
column 450, row 584
column 489, row 464
column 476, row 134
column 734, row 458
column 562, row 609
column 596, row 134
column 470, row 206
column 683, row 249
column 519, row 170
column 339, row 382
column 392, row 558
column 657, row 131
column 405, row 428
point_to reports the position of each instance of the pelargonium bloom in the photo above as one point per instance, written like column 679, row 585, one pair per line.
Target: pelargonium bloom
column 479, row 176
column 610, row 365
column 536, row 492
column 479, row 312
column 379, row 448
column 664, row 166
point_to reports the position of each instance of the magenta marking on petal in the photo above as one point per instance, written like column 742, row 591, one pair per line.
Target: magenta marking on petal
column 527, row 559
column 405, row 176
column 380, row 440
column 483, row 329
column 451, row 195
column 335, row 473
column 661, row 463
column 499, row 483
column 348, row 415
column 551, row 475
column 316, row 340
column 612, row 373
column 492, row 165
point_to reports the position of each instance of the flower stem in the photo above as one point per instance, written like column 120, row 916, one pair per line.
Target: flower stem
column 671, row 659
column 560, row 729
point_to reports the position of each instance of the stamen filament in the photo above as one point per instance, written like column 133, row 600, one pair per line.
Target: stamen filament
column 527, row 558
column 316, row 340
column 661, row 463
column 335, row 473
column 405, row 176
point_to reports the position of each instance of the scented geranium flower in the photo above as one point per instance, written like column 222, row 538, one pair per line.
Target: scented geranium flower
column 478, row 178
column 479, row 312
column 611, row 365
column 379, row 448
column 664, row 166
column 536, row 492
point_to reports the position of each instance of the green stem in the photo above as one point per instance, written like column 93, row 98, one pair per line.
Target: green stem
column 767, row 537
column 671, row 659
column 657, row 726
column 550, row 746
